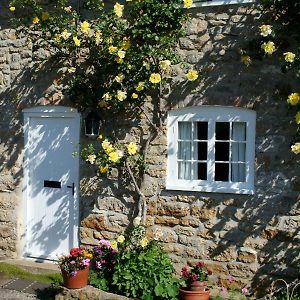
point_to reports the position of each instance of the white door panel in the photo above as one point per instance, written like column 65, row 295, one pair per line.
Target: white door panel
column 52, row 169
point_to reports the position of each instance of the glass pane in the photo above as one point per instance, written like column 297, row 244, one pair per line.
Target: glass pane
column 202, row 128
column 222, row 130
column 185, row 130
column 185, row 150
column 239, row 131
column 202, row 150
column 184, row 170
column 222, row 151
column 238, row 172
column 221, row 172
column 202, row 171
column 238, row 152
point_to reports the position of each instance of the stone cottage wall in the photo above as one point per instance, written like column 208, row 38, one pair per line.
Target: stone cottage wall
column 248, row 237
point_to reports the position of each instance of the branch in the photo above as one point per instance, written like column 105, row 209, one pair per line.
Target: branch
column 148, row 118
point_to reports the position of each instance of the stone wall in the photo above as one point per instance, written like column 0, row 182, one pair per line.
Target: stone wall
column 248, row 237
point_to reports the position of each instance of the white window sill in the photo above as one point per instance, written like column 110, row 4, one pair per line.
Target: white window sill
column 222, row 2
column 210, row 189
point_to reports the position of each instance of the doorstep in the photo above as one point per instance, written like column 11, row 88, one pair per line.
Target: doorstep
column 34, row 266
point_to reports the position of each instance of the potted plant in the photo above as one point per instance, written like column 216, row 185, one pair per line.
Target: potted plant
column 195, row 282
column 75, row 268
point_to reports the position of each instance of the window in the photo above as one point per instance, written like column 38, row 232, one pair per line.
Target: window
column 211, row 149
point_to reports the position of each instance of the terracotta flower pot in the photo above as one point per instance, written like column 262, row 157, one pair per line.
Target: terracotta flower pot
column 198, row 286
column 78, row 281
column 194, row 295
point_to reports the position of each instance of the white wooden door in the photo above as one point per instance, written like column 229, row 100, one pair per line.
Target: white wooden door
column 51, row 138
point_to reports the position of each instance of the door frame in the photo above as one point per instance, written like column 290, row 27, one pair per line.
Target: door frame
column 46, row 112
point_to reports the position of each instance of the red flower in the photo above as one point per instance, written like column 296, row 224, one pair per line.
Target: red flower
column 184, row 272
column 209, row 271
column 75, row 252
column 195, row 277
column 200, row 264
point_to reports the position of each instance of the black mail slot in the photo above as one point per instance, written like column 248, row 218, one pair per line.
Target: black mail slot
column 52, row 184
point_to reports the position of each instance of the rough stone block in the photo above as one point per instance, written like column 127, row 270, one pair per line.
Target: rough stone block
column 204, row 213
column 247, row 255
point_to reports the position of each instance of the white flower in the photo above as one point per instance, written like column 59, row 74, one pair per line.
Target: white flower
column 91, row 158
column 137, row 221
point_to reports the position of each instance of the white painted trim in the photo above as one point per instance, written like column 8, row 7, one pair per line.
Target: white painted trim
column 220, row 2
column 48, row 112
column 211, row 114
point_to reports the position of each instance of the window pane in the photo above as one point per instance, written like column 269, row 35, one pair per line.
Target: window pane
column 185, row 150
column 185, row 130
column 222, row 130
column 202, row 150
column 239, row 131
column 202, row 129
column 238, row 172
column 221, row 172
column 238, row 152
column 184, row 170
column 222, row 151
column 202, row 171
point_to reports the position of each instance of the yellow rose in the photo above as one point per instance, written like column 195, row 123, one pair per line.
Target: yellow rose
column 165, row 64
column 268, row 47
column 246, row 60
column 119, row 60
column 140, row 86
column 100, row 137
column 107, row 96
column 187, row 3
column 76, row 41
column 293, row 98
column 114, row 245
column 265, row 30
column 155, row 78
column 144, row 242
column 45, row 16
column 65, row 34
column 112, row 49
column 35, row 20
column 192, row 75
column 103, row 169
column 68, row 9
column 121, row 53
column 12, row 8
column 85, row 27
column 121, row 239
column 118, row 9
column 296, row 148
column 125, row 44
column 289, row 57
column 297, row 117
column 98, row 37
column 134, row 96
column 105, row 144
column 113, row 156
column 132, row 148
column 71, row 70
column 91, row 158
column 121, row 95
column 119, row 78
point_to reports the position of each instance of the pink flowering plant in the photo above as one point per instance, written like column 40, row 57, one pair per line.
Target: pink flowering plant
column 77, row 259
column 104, row 260
column 198, row 272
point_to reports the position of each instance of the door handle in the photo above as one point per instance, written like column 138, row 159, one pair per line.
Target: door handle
column 72, row 187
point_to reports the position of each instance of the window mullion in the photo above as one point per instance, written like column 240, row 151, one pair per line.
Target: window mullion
column 211, row 151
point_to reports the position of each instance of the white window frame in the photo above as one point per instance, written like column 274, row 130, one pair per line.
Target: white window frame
column 210, row 114
column 220, row 2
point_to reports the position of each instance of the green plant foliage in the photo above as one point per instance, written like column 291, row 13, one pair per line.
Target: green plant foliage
column 146, row 273
column 113, row 57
